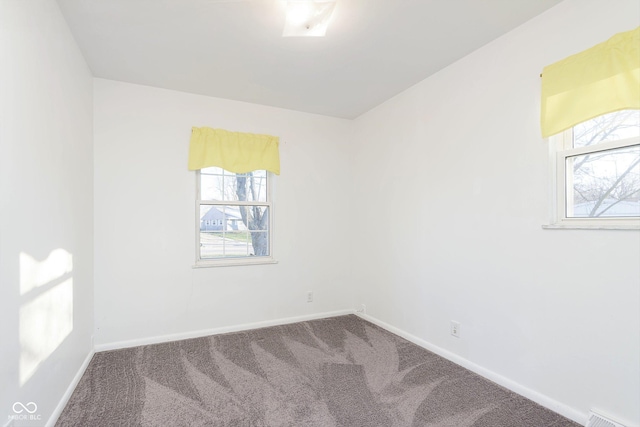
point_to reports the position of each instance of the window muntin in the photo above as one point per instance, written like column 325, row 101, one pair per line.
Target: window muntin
column 597, row 176
column 234, row 217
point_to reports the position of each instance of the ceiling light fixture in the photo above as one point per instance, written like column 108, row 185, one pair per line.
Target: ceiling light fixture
column 307, row 18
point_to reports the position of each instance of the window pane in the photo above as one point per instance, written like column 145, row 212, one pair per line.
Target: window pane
column 211, row 245
column 232, row 218
column 209, row 218
column 248, row 187
column 236, row 244
column 604, row 184
column 233, row 231
column 609, row 127
column 211, row 184
column 254, row 217
column 260, row 243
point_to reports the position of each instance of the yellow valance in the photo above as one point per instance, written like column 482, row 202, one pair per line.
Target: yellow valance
column 599, row 80
column 234, row 151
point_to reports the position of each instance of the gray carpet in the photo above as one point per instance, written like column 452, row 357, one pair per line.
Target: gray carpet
column 341, row 371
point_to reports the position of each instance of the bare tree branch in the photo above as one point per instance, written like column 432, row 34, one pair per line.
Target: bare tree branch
column 615, row 184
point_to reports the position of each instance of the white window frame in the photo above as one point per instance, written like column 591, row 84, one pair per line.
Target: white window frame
column 560, row 148
column 227, row 262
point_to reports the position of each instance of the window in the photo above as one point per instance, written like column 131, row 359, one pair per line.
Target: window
column 234, row 217
column 597, row 173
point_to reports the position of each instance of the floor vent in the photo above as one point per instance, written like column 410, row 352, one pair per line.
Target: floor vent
column 597, row 420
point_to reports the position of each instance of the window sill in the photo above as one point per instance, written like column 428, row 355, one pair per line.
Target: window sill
column 586, row 226
column 234, row 262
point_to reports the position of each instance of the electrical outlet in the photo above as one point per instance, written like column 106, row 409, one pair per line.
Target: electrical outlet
column 455, row 329
column 310, row 296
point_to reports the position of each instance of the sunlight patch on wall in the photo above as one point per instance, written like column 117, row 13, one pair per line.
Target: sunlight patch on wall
column 35, row 273
column 46, row 316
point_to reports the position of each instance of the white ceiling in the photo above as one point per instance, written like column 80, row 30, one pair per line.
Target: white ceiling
column 233, row 49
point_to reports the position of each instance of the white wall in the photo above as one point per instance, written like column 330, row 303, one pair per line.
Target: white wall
column 46, row 207
column 145, row 212
column 454, row 175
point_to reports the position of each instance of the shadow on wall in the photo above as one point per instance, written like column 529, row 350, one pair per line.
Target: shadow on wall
column 46, row 308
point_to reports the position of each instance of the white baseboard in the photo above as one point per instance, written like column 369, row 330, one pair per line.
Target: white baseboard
column 539, row 398
column 222, row 330
column 67, row 394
